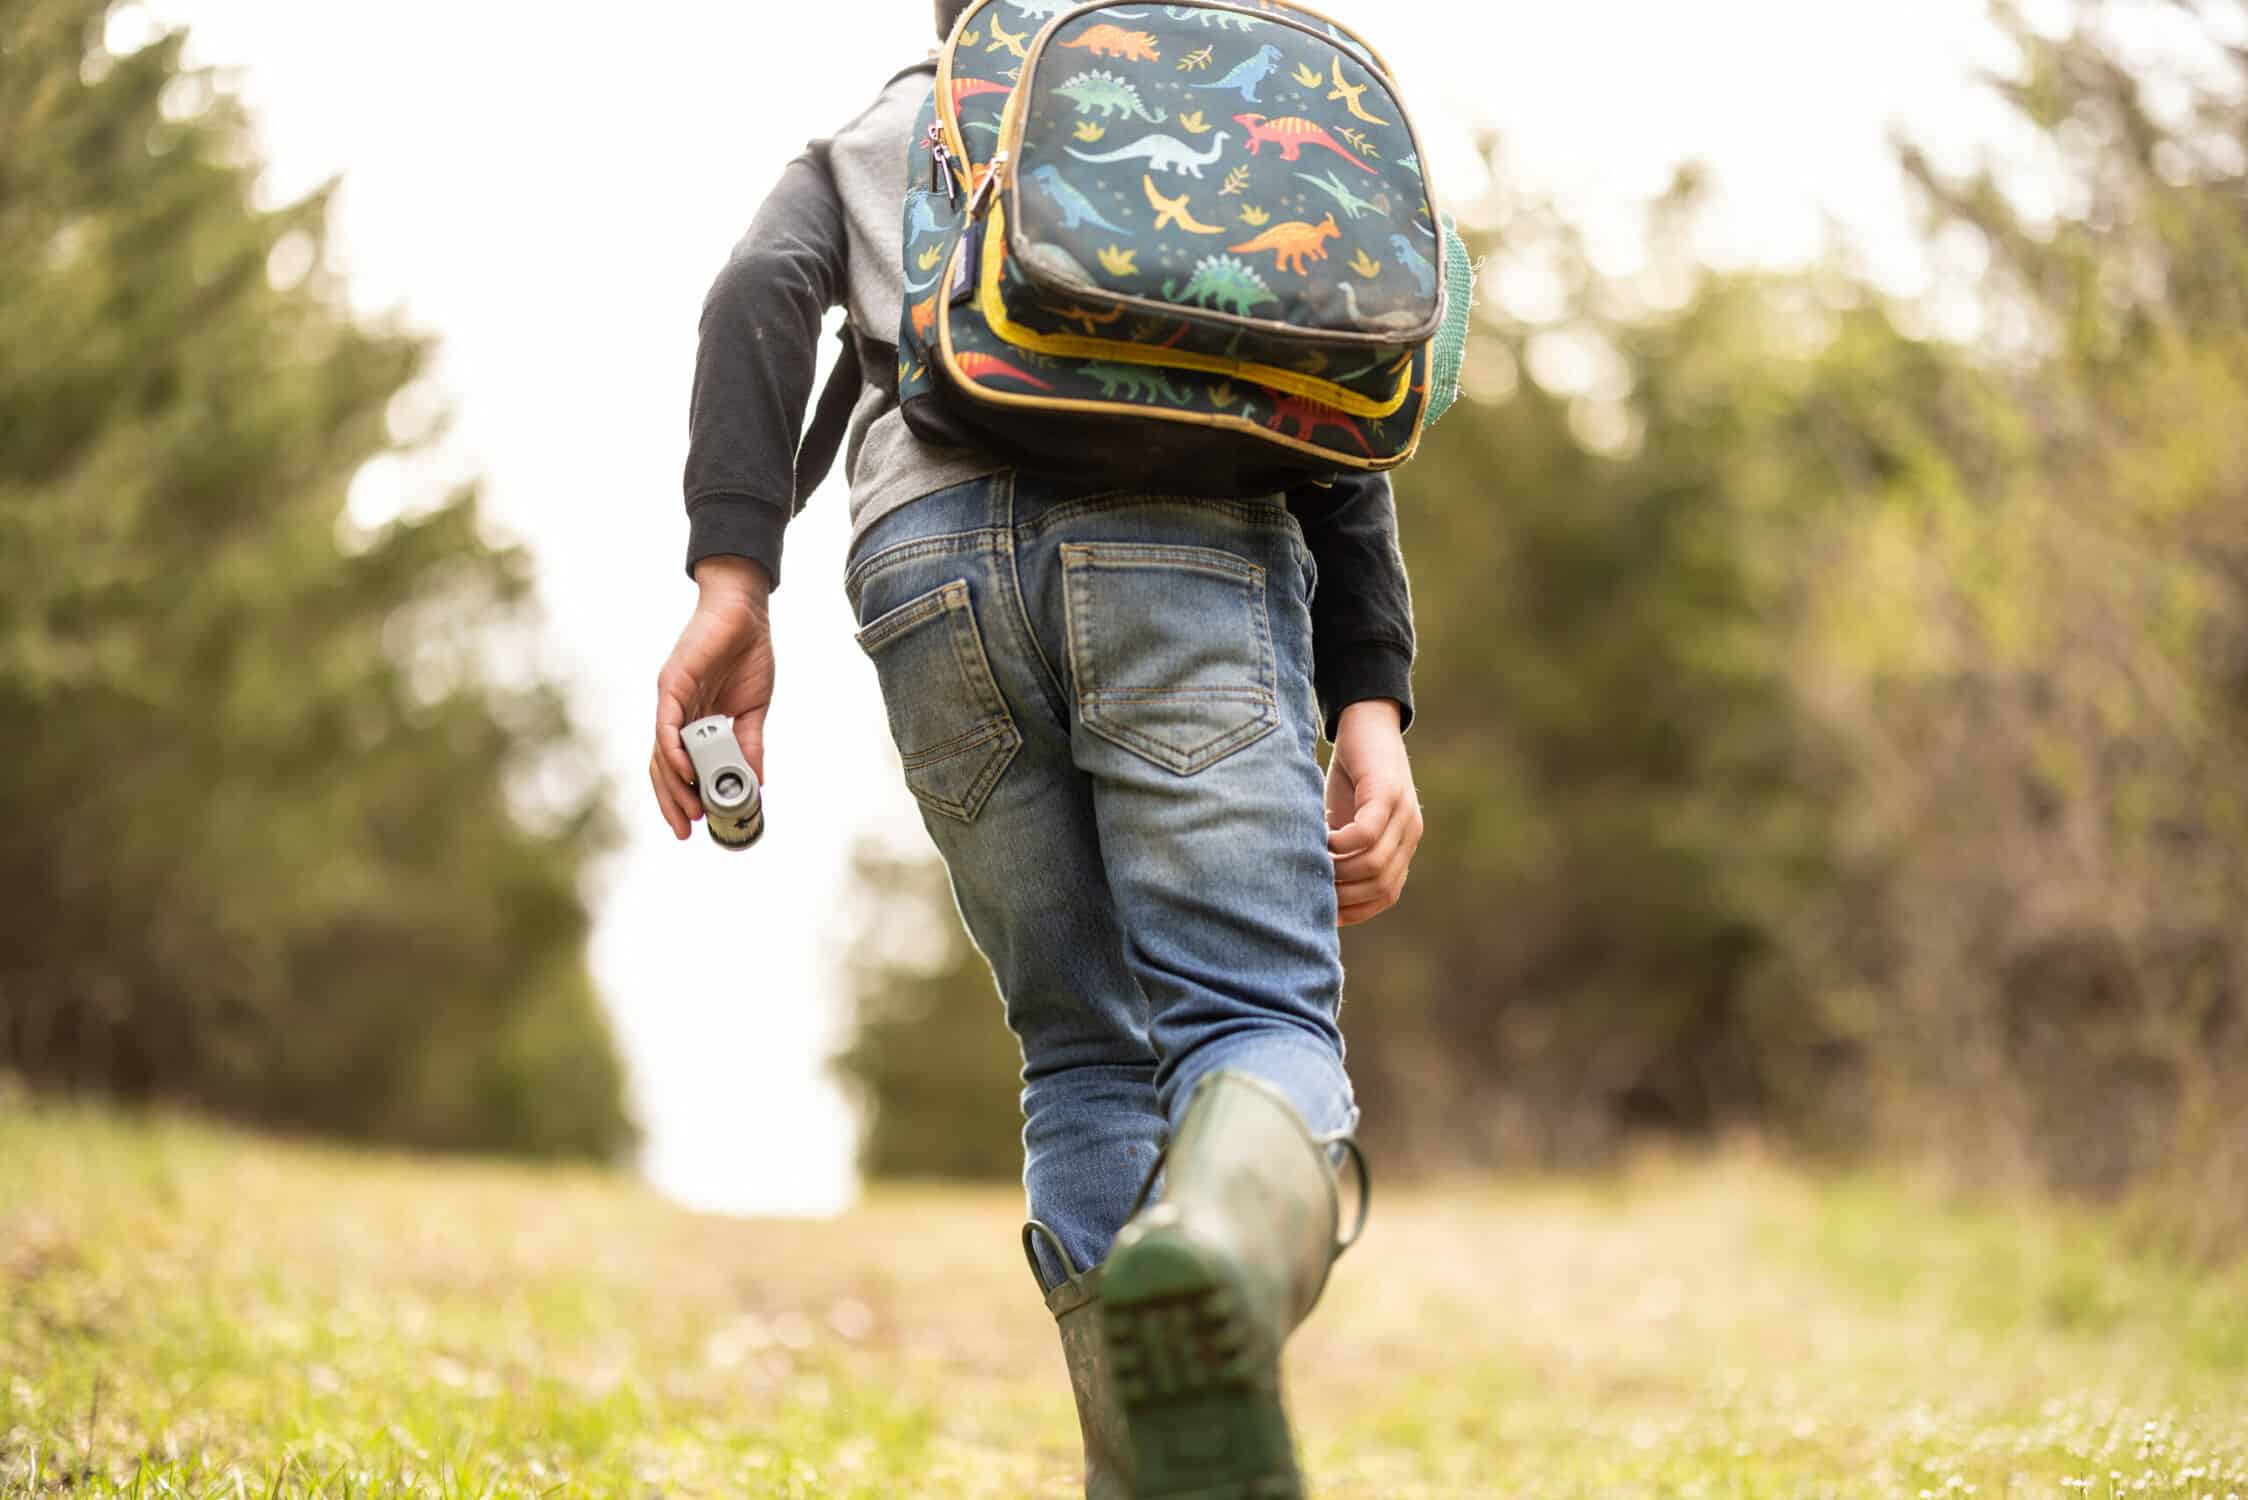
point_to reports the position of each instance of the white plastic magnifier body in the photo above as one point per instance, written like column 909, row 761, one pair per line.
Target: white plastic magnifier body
column 732, row 807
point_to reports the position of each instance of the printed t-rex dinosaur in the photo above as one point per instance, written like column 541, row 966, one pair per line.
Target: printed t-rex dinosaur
column 1249, row 74
column 1424, row 273
column 1077, row 209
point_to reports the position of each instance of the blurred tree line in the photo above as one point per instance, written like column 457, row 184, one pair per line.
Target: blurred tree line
column 1834, row 707
column 273, row 839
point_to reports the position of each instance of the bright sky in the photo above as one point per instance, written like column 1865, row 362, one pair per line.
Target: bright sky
column 550, row 189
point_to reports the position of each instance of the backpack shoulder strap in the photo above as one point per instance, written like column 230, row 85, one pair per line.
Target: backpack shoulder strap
column 831, row 419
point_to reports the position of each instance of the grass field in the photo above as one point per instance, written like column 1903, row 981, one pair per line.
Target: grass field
column 193, row 1312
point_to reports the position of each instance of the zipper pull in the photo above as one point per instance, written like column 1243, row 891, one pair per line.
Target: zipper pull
column 941, row 178
column 989, row 186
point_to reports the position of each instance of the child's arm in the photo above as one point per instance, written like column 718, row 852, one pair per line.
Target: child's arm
column 755, row 366
column 1362, row 652
column 1362, row 609
column 753, row 380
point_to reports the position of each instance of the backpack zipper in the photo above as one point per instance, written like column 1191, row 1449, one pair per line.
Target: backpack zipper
column 941, row 177
column 987, row 189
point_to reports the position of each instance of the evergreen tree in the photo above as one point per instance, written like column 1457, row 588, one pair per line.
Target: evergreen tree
column 259, row 848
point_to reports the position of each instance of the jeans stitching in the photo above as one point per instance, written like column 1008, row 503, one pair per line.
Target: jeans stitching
column 1271, row 514
column 878, row 633
column 1188, row 760
column 948, row 606
column 968, row 651
column 867, row 568
column 959, row 744
column 1080, row 561
column 1011, row 581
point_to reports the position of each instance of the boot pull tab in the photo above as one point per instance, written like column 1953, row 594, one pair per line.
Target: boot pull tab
column 1033, row 1232
column 1365, row 1192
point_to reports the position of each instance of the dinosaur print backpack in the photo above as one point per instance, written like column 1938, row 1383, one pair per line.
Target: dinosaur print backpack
column 1194, row 243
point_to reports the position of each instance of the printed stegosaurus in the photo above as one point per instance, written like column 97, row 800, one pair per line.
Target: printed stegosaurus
column 1136, row 382
column 1222, row 282
column 1111, row 95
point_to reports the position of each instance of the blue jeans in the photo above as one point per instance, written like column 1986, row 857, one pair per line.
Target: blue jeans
column 1103, row 703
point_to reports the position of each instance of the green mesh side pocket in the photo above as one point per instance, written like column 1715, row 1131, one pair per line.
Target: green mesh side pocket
column 1448, row 352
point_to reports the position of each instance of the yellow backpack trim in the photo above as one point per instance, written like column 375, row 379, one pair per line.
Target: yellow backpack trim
column 946, row 356
column 1120, row 351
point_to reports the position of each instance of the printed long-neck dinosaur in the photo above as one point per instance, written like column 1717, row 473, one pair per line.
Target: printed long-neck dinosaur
column 1173, row 213
column 980, row 368
column 1220, row 19
column 1109, row 94
column 1291, row 135
column 1307, row 417
column 1424, row 274
column 1162, row 153
column 1249, row 74
column 1293, row 241
column 1105, row 40
column 1348, row 201
column 1077, row 209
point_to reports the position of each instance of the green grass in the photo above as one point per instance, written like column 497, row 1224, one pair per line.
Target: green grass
column 185, row 1311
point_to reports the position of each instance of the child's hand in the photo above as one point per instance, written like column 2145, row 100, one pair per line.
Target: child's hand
column 723, row 664
column 1373, row 813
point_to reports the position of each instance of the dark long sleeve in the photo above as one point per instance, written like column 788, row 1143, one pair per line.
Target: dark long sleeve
column 1362, row 606
column 754, row 368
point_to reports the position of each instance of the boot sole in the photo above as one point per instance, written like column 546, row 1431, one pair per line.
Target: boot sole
column 1201, row 1399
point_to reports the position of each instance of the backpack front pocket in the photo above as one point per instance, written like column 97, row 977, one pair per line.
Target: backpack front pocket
column 954, row 735
column 1171, row 649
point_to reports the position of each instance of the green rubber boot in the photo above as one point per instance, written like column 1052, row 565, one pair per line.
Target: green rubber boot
column 1205, row 1285
column 1076, row 1306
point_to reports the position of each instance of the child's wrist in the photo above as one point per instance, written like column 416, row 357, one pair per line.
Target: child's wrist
column 727, row 577
column 1373, row 713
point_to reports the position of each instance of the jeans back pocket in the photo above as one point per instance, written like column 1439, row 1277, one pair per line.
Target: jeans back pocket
column 1171, row 649
column 952, row 729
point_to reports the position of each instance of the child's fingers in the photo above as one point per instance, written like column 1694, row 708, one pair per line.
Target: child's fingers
column 671, row 717
column 1350, row 839
column 667, row 796
column 1369, row 828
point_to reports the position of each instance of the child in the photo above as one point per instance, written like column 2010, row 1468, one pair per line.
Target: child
column 1108, row 705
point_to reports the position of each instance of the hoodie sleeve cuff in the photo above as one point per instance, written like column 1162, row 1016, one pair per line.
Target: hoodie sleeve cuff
column 730, row 525
column 1365, row 670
